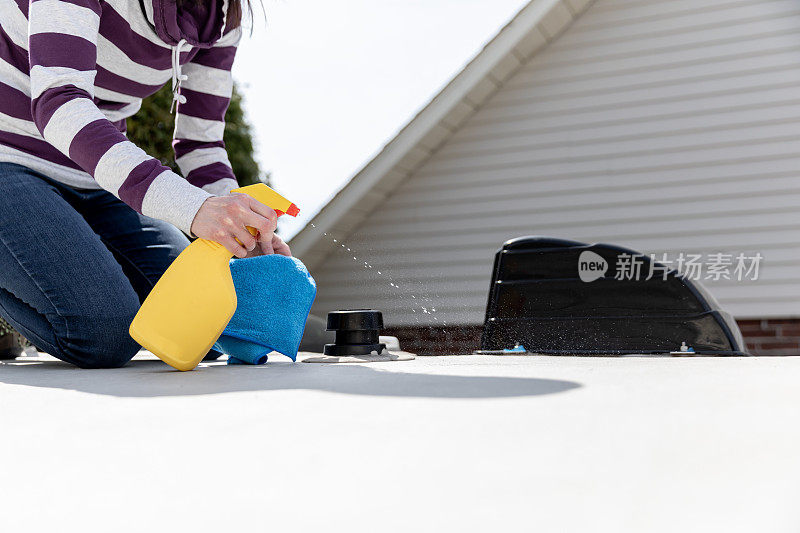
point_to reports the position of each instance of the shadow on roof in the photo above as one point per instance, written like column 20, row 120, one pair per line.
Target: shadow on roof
column 146, row 379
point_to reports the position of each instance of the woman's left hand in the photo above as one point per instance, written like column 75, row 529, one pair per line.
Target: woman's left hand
column 276, row 246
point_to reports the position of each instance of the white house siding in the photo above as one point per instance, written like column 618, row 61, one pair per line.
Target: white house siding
column 661, row 125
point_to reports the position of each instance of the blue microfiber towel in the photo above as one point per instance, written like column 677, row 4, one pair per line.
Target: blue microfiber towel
column 274, row 295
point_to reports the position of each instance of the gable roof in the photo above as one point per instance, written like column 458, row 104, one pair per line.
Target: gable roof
column 537, row 24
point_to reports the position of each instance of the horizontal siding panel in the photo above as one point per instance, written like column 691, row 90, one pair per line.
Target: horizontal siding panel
column 629, row 106
column 453, row 291
column 663, row 126
column 603, row 6
column 489, row 240
column 683, row 212
column 747, row 310
column 725, row 46
column 550, row 130
column 462, row 301
column 664, row 59
column 769, row 62
column 761, row 144
column 409, row 273
column 621, row 105
column 753, row 17
column 434, row 254
column 747, row 27
column 479, row 279
column 776, row 73
column 764, row 150
column 437, row 263
column 432, row 297
column 771, row 122
column 735, row 16
column 424, row 298
column 742, row 60
column 382, row 258
column 765, row 220
column 544, row 102
column 471, row 309
column 638, row 237
column 437, row 203
column 398, row 317
column 767, row 161
column 673, row 197
column 671, row 15
column 451, row 287
column 425, row 294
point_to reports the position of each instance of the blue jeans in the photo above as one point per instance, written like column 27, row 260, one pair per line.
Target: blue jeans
column 75, row 265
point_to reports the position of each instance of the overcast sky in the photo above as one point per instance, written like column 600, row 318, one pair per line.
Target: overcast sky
column 328, row 83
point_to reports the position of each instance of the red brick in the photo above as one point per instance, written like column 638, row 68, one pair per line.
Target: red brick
column 755, row 329
column 438, row 340
column 763, row 337
column 778, row 344
column 789, row 330
column 781, row 321
column 774, row 336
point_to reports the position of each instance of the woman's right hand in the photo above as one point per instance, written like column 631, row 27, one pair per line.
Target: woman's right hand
column 223, row 219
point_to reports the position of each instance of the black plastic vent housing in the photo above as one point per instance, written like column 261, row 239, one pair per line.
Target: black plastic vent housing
column 537, row 299
column 357, row 332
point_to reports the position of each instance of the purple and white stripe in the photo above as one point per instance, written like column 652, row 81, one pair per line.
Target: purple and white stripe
column 72, row 71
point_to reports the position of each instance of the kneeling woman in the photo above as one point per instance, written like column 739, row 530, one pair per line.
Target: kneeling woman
column 89, row 220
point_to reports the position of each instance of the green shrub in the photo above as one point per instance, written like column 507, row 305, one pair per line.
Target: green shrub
column 151, row 129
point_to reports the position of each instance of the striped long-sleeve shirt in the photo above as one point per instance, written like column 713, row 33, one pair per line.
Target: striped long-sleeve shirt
column 72, row 71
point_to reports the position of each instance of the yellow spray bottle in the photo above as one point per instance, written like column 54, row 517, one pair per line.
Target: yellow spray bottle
column 192, row 303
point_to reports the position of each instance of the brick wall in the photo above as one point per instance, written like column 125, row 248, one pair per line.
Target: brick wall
column 780, row 336
column 438, row 340
column 763, row 337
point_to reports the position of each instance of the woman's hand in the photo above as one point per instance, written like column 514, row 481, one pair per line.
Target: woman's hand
column 276, row 246
column 223, row 219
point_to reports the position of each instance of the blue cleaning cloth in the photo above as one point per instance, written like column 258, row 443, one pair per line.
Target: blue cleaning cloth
column 274, row 295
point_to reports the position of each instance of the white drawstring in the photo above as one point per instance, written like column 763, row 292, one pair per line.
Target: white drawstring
column 177, row 76
column 224, row 18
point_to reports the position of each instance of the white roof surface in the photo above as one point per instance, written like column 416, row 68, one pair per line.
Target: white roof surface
column 468, row 443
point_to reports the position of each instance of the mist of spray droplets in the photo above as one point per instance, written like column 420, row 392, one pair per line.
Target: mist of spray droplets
column 420, row 304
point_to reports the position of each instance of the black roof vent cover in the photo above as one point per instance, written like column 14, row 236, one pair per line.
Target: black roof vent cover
column 555, row 296
column 357, row 332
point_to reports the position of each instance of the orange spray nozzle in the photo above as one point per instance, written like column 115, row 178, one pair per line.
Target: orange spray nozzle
column 270, row 198
column 292, row 211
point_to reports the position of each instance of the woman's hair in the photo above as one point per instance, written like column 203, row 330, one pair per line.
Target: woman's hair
column 236, row 11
